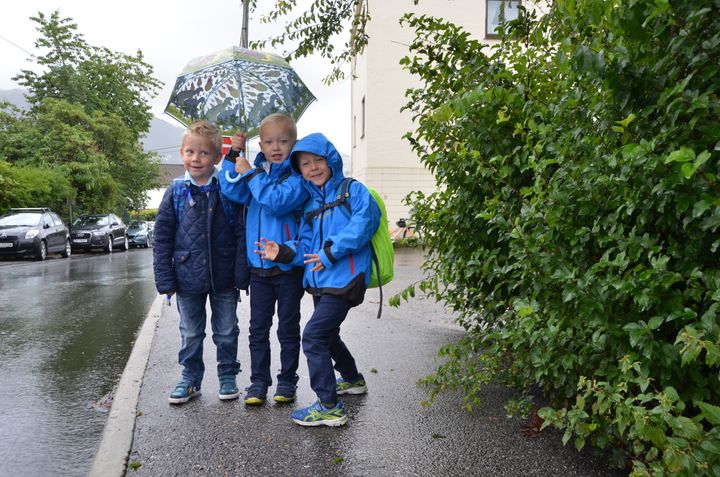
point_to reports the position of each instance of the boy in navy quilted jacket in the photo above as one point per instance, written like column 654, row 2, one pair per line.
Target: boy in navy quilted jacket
column 274, row 199
column 199, row 253
column 335, row 247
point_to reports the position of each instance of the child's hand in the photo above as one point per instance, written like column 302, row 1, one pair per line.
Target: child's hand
column 268, row 250
column 314, row 258
column 237, row 142
column 242, row 165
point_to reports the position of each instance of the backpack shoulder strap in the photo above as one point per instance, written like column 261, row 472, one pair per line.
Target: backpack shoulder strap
column 341, row 199
column 229, row 209
column 180, row 189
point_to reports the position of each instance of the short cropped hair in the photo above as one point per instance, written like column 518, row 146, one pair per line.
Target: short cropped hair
column 285, row 120
column 204, row 129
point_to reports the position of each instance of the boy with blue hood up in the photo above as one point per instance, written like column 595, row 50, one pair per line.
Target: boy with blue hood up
column 274, row 199
column 335, row 246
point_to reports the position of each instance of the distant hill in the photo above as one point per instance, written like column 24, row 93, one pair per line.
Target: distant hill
column 163, row 137
column 15, row 96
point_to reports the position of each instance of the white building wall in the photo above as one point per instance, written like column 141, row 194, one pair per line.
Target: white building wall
column 381, row 158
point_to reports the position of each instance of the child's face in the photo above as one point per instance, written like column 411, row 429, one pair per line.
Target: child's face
column 199, row 155
column 275, row 141
column 314, row 168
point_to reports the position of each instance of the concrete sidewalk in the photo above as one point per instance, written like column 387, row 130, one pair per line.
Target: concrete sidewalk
column 389, row 432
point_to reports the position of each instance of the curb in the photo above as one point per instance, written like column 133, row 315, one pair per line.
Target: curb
column 116, row 442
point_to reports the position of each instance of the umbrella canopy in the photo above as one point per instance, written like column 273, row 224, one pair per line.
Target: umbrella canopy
column 236, row 88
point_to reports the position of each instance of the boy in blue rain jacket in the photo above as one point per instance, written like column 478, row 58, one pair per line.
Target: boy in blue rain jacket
column 335, row 247
column 199, row 253
column 274, row 199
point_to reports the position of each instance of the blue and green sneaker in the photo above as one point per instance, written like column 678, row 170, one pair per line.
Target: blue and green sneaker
column 228, row 388
column 183, row 393
column 318, row 415
column 351, row 387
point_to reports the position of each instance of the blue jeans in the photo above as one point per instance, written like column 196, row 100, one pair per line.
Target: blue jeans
column 286, row 290
column 225, row 331
column 322, row 346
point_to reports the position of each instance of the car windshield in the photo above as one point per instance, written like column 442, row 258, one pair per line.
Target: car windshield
column 26, row 218
column 86, row 220
column 136, row 224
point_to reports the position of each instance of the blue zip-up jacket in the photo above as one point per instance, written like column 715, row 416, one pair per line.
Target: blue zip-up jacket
column 274, row 202
column 342, row 242
column 202, row 253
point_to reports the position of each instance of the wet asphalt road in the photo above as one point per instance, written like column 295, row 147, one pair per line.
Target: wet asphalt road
column 389, row 432
column 67, row 327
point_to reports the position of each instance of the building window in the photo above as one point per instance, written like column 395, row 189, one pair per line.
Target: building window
column 362, row 118
column 354, row 131
column 497, row 12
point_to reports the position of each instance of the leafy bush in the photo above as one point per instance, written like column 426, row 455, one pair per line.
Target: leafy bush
column 575, row 227
column 147, row 215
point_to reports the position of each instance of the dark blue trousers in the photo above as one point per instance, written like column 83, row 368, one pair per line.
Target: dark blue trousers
column 286, row 290
column 322, row 346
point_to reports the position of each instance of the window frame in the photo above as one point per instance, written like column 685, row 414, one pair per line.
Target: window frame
column 489, row 34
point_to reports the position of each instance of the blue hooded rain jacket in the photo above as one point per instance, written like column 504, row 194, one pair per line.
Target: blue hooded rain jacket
column 274, row 198
column 342, row 241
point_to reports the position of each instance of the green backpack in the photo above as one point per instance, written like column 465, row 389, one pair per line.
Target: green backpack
column 383, row 253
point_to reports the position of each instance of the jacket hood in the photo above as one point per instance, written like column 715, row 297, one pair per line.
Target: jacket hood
column 319, row 145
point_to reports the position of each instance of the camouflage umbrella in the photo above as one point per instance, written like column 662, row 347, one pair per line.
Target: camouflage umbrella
column 236, row 88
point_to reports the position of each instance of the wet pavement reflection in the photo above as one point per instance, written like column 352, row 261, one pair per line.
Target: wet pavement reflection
column 67, row 327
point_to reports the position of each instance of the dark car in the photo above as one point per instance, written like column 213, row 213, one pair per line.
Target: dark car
column 139, row 234
column 35, row 232
column 105, row 231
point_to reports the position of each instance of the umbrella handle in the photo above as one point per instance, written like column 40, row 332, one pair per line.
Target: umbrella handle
column 230, row 179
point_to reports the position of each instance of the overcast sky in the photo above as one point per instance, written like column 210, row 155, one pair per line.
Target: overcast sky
column 170, row 33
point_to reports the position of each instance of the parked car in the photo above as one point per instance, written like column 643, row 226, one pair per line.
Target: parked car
column 151, row 227
column 139, row 234
column 105, row 231
column 33, row 231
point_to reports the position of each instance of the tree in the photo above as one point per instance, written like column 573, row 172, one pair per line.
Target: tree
column 96, row 78
column 577, row 166
column 317, row 29
column 88, row 113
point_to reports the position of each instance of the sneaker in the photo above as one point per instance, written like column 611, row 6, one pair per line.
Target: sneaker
column 351, row 387
column 285, row 392
column 228, row 388
column 183, row 393
column 318, row 415
column 255, row 394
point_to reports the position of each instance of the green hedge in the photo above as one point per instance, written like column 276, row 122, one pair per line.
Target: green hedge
column 576, row 224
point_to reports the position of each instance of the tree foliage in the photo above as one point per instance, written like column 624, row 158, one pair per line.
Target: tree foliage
column 88, row 112
column 577, row 167
column 317, row 29
column 575, row 227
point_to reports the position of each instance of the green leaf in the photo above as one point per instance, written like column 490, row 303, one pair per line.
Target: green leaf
column 655, row 322
column 710, row 412
column 684, row 154
column 685, row 427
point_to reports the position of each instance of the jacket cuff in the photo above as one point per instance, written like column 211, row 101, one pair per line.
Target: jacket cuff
column 231, row 155
column 285, row 255
column 324, row 255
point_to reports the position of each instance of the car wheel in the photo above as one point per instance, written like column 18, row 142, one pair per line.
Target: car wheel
column 41, row 251
column 68, row 249
column 125, row 245
column 109, row 245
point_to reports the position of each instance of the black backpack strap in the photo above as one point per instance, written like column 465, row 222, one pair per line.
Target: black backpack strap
column 379, row 279
column 341, row 199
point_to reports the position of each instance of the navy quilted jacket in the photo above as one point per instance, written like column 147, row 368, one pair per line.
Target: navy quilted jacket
column 203, row 252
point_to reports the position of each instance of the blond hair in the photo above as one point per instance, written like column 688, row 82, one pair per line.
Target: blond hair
column 204, row 129
column 282, row 119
